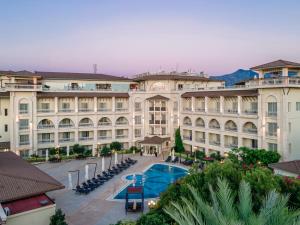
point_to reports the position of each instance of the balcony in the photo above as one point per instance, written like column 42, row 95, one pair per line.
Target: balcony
column 86, row 138
column 104, row 110
column 121, row 136
column 46, row 126
column 187, row 109
column 271, row 134
column 250, row 112
column 187, row 138
column 215, row 143
column 24, row 143
column 104, row 123
column 85, row 110
column 63, row 140
column 233, row 129
column 120, row 123
column 231, row 145
column 200, row 140
column 67, row 110
column 45, row 111
column 104, row 137
column 121, row 109
column 67, row 125
column 250, row 130
column 231, row 111
column 271, row 114
column 187, row 124
column 45, row 141
column 85, row 125
column 200, row 110
column 215, row 127
column 23, row 111
column 24, row 128
column 23, row 87
column 214, row 110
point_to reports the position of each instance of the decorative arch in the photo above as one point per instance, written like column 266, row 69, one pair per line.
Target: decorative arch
column 200, row 122
column 122, row 121
column 214, row 124
column 187, row 121
column 86, row 122
column 45, row 124
column 230, row 125
column 104, row 121
column 66, row 122
column 250, row 127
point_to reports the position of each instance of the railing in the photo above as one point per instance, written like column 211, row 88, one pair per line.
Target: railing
column 65, row 125
column 215, row 143
column 23, row 111
column 104, row 124
column 85, row 110
column 271, row 114
column 85, row 124
column 200, row 125
column 231, row 111
column 214, row 110
column 200, row 140
column 104, row 137
column 188, row 138
column 187, row 124
column 250, row 130
column 86, row 138
column 103, row 110
column 231, row 129
column 66, row 140
column 66, row 110
column 44, row 141
column 163, row 109
column 45, row 126
column 271, row 134
column 121, row 109
column 214, row 127
column 200, row 110
column 250, row 112
column 121, row 136
column 11, row 86
column 45, row 111
column 24, row 127
column 122, row 123
column 24, row 143
column 187, row 109
column 231, row 145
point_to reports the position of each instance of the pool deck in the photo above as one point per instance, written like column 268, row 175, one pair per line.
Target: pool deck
column 94, row 208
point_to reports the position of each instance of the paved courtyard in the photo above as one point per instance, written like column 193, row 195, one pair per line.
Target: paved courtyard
column 94, row 208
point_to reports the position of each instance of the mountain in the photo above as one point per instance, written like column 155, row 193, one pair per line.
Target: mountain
column 237, row 76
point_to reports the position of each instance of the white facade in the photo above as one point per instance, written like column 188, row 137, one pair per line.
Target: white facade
column 50, row 112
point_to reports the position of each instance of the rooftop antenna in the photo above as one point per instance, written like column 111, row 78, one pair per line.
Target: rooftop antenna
column 95, row 68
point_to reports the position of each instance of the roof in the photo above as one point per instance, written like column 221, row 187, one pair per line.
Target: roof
column 80, row 76
column 218, row 93
column 83, row 94
column 19, row 179
column 158, row 97
column 5, row 145
column 289, row 166
column 173, row 77
column 277, row 64
column 154, row 140
column 22, row 73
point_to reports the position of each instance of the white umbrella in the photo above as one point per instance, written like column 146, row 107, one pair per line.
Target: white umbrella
column 47, row 155
column 173, row 155
column 103, row 164
column 70, row 181
column 116, row 158
column 86, row 172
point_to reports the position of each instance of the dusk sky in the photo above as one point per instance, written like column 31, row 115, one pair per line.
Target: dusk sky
column 126, row 37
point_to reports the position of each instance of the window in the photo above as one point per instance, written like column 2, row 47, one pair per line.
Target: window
column 84, row 105
column 272, row 147
column 46, row 136
column 5, row 112
column 103, row 86
column 272, row 108
column 74, row 86
column 103, row 105
column 235, row 106
column 272, row 129
column 66, row 135
column 175, row 106
column 137, row 133
column 289, row 106
column 24, row 153
column 119, row 105
column 163, row 131
column 297, row 106
column 5, row 128
column 254, row 143
column 65, row 105
column 120, row 132
column 45, row 106
column 23, row 124
column 24, row 139
column 103, row 133
column 137, row 106
column 85, row 134
column 180, row 86
column 23, row 108
column 138, row 119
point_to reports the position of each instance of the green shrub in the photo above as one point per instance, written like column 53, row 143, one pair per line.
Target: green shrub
column 78, row 149
column 105, row 151
column 58, row 218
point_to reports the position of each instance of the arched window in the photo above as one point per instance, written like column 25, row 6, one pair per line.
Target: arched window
column 122, row 121
column 66, row 122
column 250, row 128
column 187, row 121
column 214, row 124
column 200, row 122
column 104, row 121
column 231, row 126
column 86, row 122
column 45, row 124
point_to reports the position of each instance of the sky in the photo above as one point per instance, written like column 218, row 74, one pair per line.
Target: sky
column 128, row 37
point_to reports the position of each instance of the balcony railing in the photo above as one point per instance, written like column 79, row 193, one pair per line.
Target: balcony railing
column 104, row 137
column 231, row 145
column 67, row 125
column 46, row 126
column 62, row 140
column 121, row 109
column 85, row 110
column 45, row 141
column 29, row 87
column 104, row 123
column 122, row 123
column 66, row 110
column 250, row 130
column 103, row 110
column 23, row 128
column 271, row 134
column 234, row 129
column 200, row 125
column 24, row 143
column 231, row 111
column 271, row 114
column 85, row 124
column 23, row 111
column 200, row 140
column 45, row 111
column 187, row 137
column 187, row 109
column 121, row 136
column 86, row 138
column 215, row 127
column 215, row 143
column 214, row 110
column 200, row 110
column 187, row 124
column 250, row 112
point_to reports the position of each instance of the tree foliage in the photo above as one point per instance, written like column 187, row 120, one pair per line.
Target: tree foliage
column 105, row 151
column 116, row 146
column 78, row 149
column 178, row 142
column 58, row 218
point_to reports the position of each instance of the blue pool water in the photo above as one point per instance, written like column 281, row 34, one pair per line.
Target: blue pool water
column 156, row 180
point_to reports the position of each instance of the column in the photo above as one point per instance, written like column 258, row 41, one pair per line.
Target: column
column 221, row 104
column 239, row 105
column 95, row 104
column 76, row 104
column 193, row 104
column 68, row 150
column 206, row 104
column 94, row 150
column 113, row 105
column 55, row 104
column 260, row 74
column 285, row 72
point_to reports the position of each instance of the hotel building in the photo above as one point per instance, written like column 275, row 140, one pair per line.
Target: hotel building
column 42, row 110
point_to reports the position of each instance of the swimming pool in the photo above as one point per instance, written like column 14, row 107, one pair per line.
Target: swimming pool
column 155, row 180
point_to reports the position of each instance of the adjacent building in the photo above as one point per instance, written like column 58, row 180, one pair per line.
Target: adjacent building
column 42, row 110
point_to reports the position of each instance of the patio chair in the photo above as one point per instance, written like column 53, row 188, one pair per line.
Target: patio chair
column 98, row 181
column 108, row 174
column 103, row 178
column 168, row 159
column 175, row 160
column 88, row 186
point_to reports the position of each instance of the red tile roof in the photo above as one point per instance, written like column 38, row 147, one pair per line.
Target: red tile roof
column 19, row 179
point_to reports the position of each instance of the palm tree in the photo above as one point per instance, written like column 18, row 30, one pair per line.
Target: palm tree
column 225, row 211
